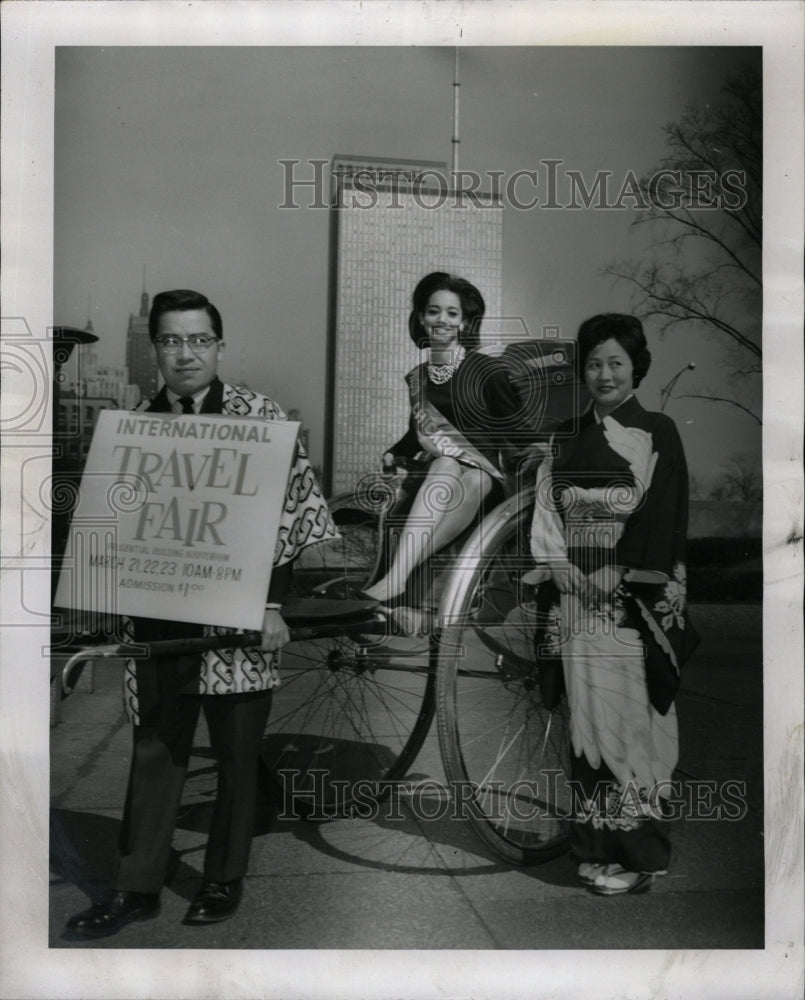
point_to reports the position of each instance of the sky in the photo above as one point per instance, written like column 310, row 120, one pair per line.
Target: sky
column 167, row 163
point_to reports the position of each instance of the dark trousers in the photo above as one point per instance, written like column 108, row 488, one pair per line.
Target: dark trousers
column 160, row 754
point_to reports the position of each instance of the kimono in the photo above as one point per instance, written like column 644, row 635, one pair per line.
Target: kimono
column 305, row 520
column 616, row 494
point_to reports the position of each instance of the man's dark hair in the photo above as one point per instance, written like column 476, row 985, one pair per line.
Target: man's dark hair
column 626, row 330
column 181, row 300
column 472, row 307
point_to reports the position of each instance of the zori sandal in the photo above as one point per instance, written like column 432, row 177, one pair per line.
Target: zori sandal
column 588, row 872
column 616, row 881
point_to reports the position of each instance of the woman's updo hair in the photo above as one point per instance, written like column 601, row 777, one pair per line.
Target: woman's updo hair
column 626, row 330
column 472, row 307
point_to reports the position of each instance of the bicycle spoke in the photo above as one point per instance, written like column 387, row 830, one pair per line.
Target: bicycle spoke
column 494, row 730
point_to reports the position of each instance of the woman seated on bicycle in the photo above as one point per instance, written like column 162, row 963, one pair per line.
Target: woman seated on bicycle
column 462, row 403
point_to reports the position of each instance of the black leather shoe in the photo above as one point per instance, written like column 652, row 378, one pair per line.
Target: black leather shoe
column 108, row 917
column 215, row 901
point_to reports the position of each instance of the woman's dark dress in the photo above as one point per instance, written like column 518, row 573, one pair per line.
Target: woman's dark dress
column 479, row 401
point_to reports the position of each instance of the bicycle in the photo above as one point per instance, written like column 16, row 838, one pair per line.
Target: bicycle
column 355, row 706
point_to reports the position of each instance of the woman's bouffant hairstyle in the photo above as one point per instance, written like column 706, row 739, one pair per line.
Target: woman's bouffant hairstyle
column 182, row 300
column 627, row 330
column 472, row 306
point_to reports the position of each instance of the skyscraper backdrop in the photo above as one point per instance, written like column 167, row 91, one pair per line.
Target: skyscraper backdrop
column 172, row 159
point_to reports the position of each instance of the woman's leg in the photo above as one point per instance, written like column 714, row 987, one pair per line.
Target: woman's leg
column 445, row 505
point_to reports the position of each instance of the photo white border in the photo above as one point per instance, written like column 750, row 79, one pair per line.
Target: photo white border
column 28, row 968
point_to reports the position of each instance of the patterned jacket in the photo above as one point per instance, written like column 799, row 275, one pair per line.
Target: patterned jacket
column 305, row 520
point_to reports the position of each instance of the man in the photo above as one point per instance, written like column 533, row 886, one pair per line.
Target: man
column 165, row 694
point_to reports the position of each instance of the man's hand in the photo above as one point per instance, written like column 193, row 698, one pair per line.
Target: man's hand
column 275, row 631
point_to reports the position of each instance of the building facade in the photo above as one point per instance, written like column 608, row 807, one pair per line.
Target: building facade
column 140, row 360
column 85, row 388
column 392, row 222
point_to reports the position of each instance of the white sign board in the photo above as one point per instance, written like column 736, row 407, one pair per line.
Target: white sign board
column 177, row 517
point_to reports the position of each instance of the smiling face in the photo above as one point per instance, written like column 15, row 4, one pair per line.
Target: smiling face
column 608, row 374
column 442, row 318
column 188, row 371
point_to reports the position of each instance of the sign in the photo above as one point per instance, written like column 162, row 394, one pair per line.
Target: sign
column 177, row 517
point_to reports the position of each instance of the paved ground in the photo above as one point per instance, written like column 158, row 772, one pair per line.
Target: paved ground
column 409, row 883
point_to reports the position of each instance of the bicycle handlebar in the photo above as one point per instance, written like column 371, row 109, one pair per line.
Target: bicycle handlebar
column 201, row 644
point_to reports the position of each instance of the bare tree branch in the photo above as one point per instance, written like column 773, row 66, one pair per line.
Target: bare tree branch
column 705, row 200
column 719, row 399
column 681, row 304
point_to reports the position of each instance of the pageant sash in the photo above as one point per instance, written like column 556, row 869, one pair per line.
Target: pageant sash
column 435, row 432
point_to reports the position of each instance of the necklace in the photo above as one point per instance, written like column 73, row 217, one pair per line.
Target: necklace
column 439, row 374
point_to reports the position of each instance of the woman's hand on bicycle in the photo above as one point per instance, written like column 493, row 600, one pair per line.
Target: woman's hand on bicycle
column 393, row 465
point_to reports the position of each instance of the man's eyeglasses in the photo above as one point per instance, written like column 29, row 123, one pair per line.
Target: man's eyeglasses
column 196, row 342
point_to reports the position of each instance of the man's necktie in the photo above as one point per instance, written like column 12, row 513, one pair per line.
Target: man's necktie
column 186, row 403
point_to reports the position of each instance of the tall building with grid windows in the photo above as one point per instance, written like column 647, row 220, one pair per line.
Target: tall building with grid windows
column 392, row 222
column 140, row 360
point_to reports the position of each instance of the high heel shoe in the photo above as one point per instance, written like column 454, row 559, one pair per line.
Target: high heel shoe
column 413, row 621
column 391, row 604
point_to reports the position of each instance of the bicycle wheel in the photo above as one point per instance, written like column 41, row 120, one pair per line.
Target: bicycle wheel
column 350, row 714
column 347, row 719
column 505, row 754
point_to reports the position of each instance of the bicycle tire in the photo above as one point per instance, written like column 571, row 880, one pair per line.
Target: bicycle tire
column 350, row 715
column 506, row 756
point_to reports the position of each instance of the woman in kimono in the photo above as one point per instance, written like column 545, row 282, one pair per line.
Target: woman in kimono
column 462, row 405
column 609, row 530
